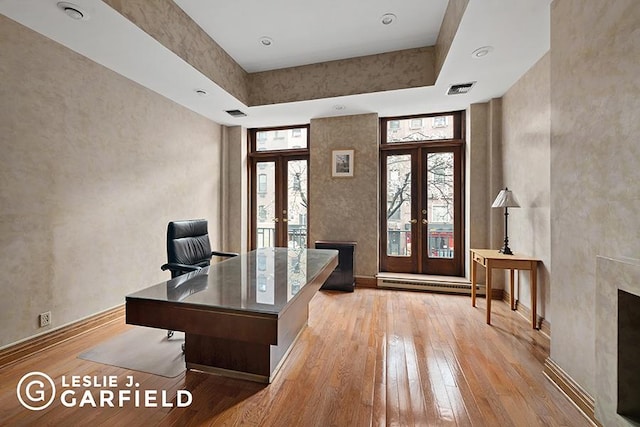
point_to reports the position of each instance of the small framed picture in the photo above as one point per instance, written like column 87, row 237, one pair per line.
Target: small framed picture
column 342, row 163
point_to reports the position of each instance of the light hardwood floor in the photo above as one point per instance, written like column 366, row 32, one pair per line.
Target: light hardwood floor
column 372, row 357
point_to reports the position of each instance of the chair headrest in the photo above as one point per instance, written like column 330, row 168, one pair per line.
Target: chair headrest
column 187, row 228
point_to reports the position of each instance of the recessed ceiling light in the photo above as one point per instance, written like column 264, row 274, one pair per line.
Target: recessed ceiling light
column 201, row 92
column 339, row 107
column 481, row 52
column 73, row 11
column 388, row 18
column 266, row 41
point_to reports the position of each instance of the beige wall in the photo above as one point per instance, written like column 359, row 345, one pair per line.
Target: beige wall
column 484, row 179
column 346, row 209
column 526, row 138
column 450, row 23
column 166, row 22
column 373, row 73
column 93, row 167
column 235, row 186
column 595, row 153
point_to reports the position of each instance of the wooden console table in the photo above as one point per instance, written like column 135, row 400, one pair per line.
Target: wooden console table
column 491, row 259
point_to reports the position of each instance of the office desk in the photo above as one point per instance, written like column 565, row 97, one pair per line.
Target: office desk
column 491, row 259
column 240, row 316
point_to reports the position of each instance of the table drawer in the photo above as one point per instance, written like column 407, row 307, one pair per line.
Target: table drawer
column 479, row 259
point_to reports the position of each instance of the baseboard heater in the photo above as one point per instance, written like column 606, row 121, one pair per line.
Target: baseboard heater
column 427, row 285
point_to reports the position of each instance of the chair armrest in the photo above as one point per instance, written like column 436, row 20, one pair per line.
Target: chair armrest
column 225, row 254
column 183, row 267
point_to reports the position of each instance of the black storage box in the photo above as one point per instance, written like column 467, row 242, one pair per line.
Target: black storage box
column 343, row 277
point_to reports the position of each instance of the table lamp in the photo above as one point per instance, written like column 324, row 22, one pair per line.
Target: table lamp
column 506, row 200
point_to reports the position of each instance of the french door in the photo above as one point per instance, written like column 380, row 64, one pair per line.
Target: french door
column 279, row 201
column 422, row 209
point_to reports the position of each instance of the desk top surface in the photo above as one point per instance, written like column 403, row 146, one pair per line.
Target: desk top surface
column 260, row 281
column 495, row 254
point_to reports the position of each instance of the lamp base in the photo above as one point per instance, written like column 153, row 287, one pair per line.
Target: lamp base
column 505, row 250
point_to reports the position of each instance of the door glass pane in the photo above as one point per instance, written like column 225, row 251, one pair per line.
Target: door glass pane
column 265, row 213
column 440, row 205
column 399, row 205
column 297, row 204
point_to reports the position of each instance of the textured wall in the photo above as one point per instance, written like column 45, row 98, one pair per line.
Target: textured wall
column 93, row 167
column 374, row 73
column 172, row 27
column 526, row 139
column 448, row 29
column 595, row 153
column 484, row 162
column 346, row 209
column 236, row 188
column 477, row 171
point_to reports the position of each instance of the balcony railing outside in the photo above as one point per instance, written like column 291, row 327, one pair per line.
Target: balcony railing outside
column 297, row 236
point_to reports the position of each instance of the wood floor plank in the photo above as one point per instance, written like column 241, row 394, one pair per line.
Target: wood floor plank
column 368, row 358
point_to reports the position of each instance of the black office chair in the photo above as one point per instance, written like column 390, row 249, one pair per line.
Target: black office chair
column 189, row 248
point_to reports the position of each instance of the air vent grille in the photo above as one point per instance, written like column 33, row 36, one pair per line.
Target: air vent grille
column 460, row 88
column 236, row 113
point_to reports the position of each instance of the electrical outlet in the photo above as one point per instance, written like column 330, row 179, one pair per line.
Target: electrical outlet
column 45, row 319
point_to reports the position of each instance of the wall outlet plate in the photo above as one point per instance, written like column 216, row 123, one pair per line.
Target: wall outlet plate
column 45, row 319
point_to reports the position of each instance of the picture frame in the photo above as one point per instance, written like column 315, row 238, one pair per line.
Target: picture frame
column 342, row 163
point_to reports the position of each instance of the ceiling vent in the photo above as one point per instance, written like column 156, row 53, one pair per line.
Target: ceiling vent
column 236, row 113
column 460, row 88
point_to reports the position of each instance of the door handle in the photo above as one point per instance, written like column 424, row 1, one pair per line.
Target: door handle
column 413, row 221
column 284, row 220
column 425, row 222
column 276, row 219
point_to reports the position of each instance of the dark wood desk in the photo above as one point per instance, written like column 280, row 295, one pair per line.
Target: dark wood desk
column 240, row 316
column 491, row 259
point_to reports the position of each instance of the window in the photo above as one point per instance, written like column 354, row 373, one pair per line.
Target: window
column 279, row 186
column 412, row 129
column 416, row 123
column 262, row 183
column 262, row 213
column 422, row 192
column 294, row 138
column 439, row 122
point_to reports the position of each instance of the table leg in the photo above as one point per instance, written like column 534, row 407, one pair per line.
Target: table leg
column 512, row 295
column 488, row 287
column 473, row 281
column 534, row 295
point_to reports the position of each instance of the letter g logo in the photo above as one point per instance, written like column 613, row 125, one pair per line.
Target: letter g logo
column 32, row 394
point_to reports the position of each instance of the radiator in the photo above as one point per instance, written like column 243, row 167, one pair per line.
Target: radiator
column 429, row 285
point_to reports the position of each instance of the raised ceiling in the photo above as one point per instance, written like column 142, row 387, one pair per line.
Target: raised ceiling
column 304, row 33
column 312, row 32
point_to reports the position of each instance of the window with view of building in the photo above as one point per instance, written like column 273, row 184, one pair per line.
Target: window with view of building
column 428, row 128
column 421, row 189
column 262, row 183
column 279, row 166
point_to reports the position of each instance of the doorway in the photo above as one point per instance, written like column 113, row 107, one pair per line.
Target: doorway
column 279, row 187
column 422, row 195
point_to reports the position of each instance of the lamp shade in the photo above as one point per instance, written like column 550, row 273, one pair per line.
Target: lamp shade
column 505, row 199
